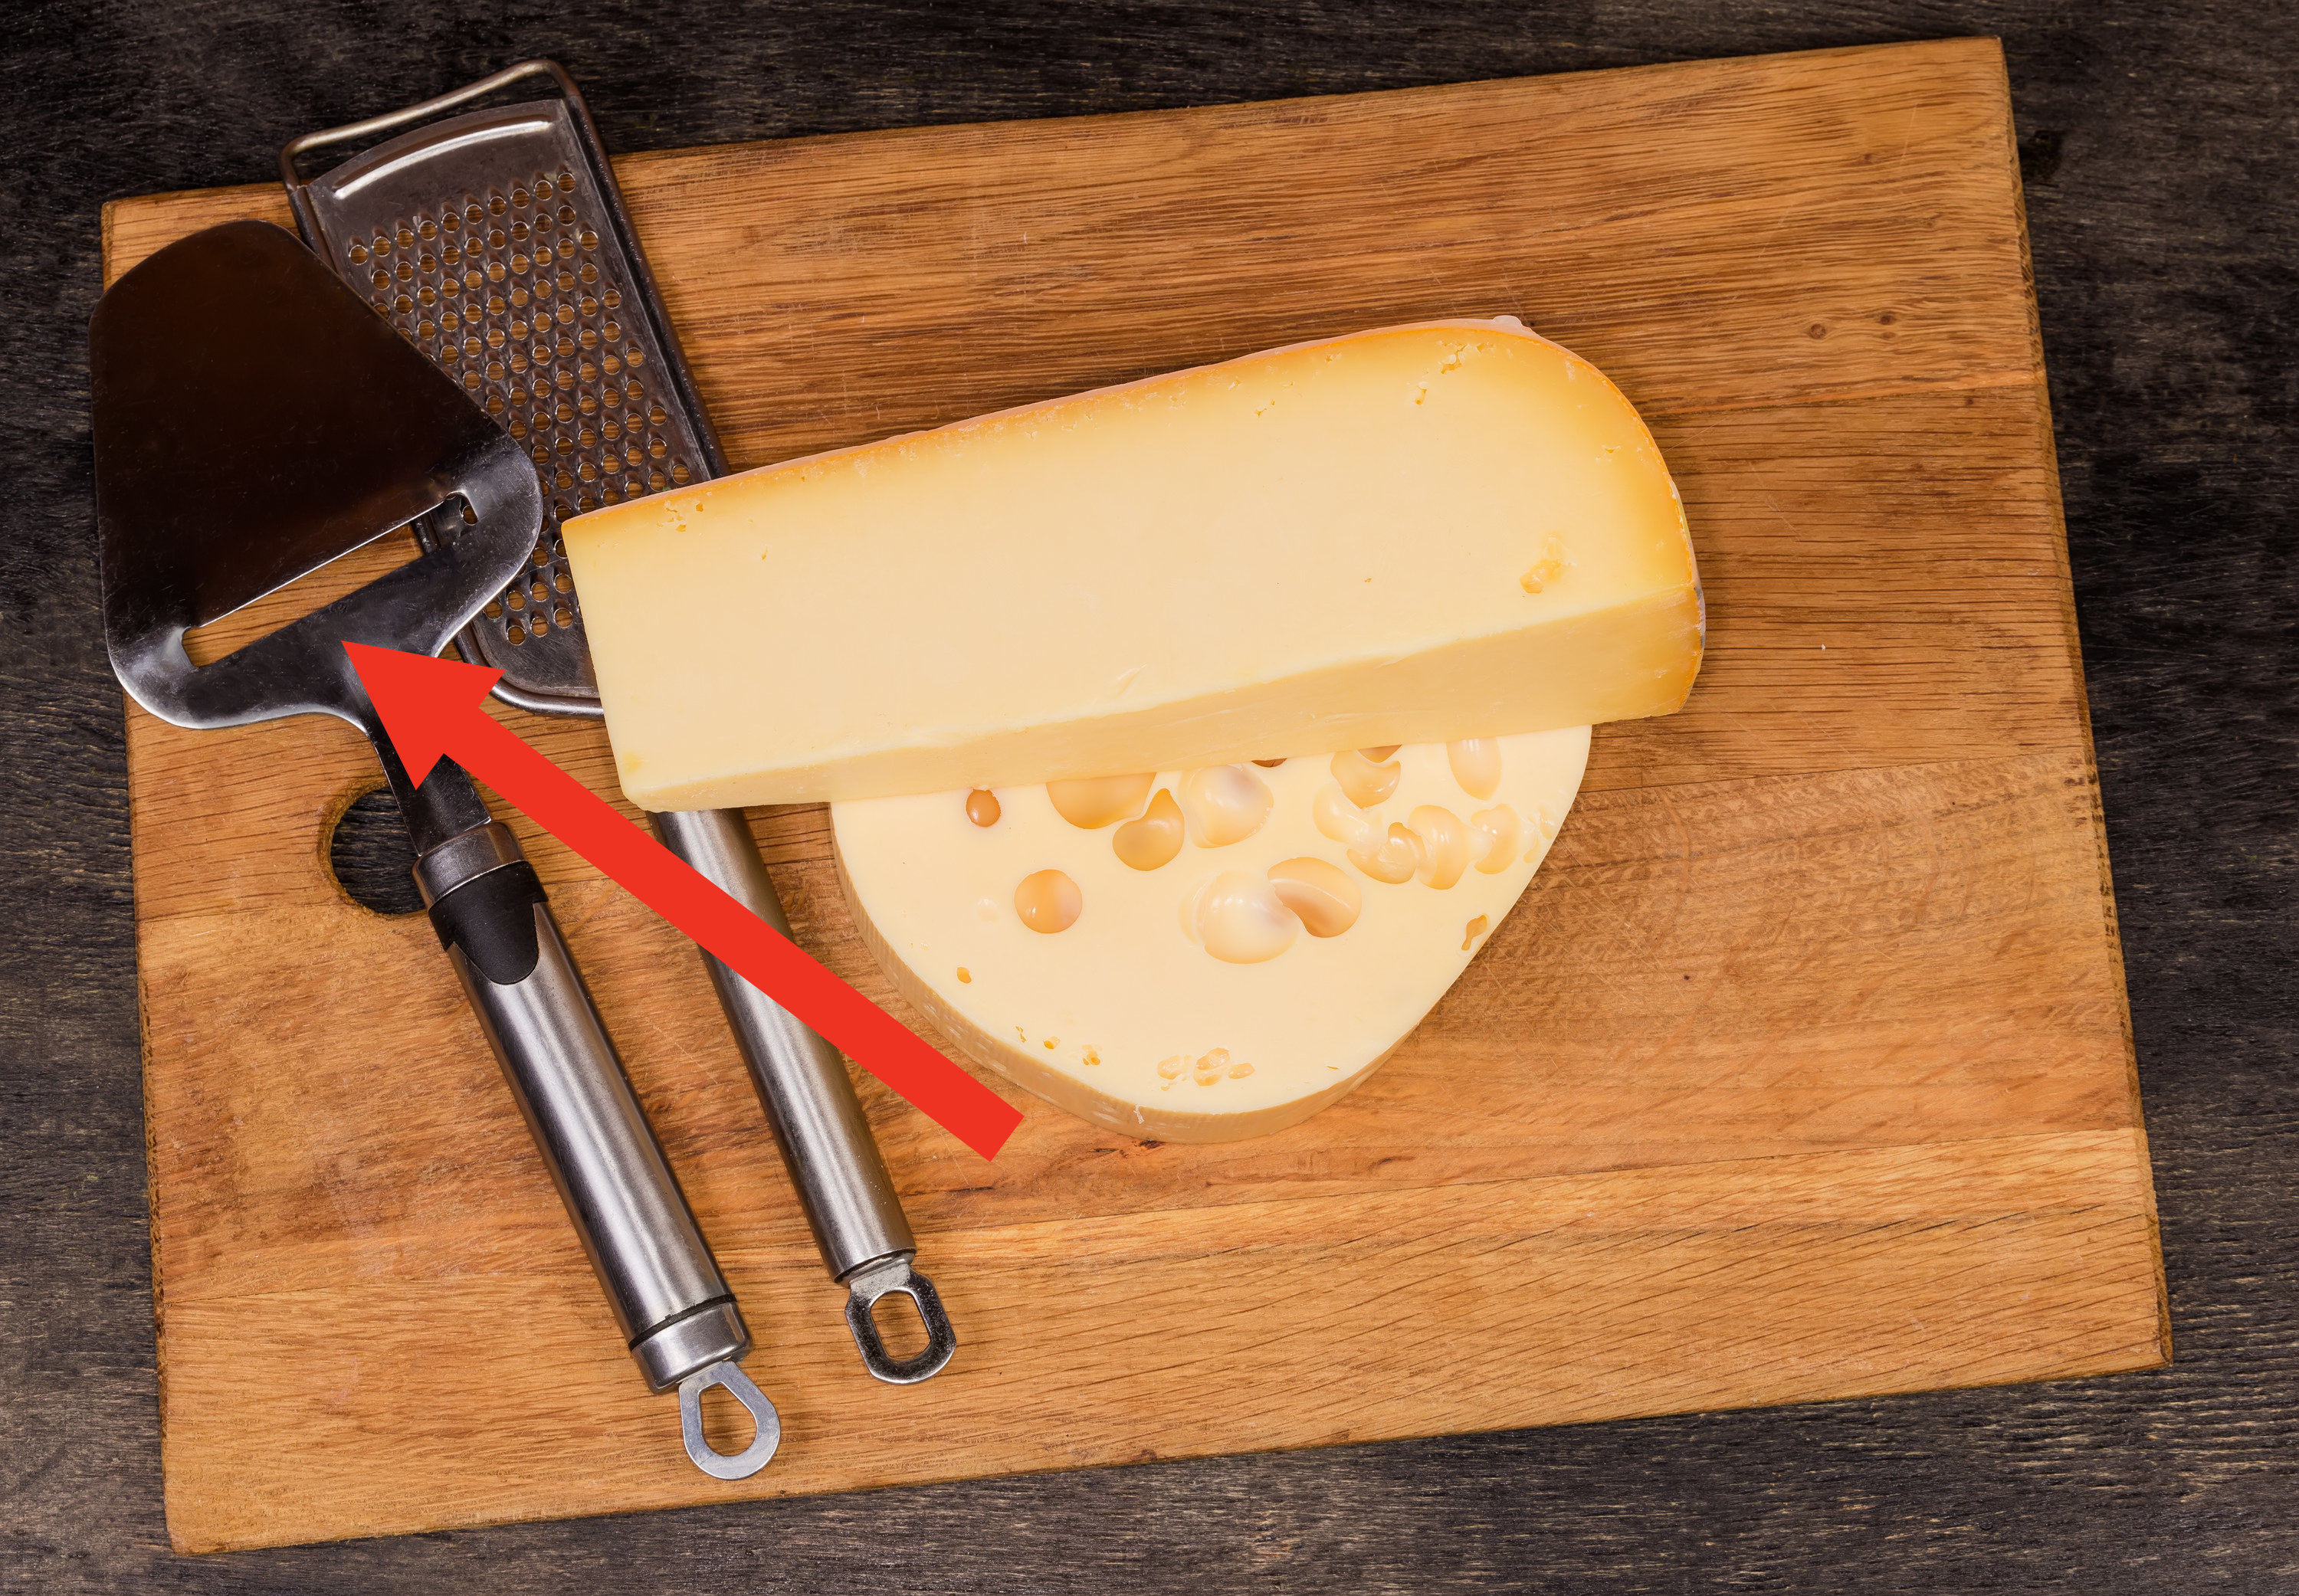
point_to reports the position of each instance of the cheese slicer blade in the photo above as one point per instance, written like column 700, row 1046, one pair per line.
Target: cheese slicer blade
column 489, row 232
column 255, row 421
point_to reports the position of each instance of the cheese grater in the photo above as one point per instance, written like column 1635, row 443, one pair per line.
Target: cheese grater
column 488, row 229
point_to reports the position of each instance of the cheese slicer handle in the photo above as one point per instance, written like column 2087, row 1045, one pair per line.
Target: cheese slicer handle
column 677, row 1316
column 848, row 1197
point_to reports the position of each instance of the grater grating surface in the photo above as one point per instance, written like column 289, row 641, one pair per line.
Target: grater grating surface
column 489, row 240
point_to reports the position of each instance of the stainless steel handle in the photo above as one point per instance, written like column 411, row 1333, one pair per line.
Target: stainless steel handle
column 834, row 1164
column 676, row 1314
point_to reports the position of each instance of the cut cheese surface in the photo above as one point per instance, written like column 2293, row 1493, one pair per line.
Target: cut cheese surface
column 1419, row 534
column 1203, row 956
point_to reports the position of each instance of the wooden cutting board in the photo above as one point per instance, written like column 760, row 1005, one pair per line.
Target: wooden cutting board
column 1803, row 1070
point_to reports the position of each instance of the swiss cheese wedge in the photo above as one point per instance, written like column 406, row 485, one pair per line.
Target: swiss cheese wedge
column 1424, row 533
column 1201, row 955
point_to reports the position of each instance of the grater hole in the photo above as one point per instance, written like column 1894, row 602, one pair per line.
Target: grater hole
column 679, row 472
column 542, row 188
column 427, row 228
column 402, row 304
column 514, row 635
column 565, row 181
column 613, row 299
column 496, row 610
column 561, row 617
column 561, row 580
column 405, row 236
column 587, row 239
column 520, row 198
column 359, row 254
column 536, row 626
column 515, row 598
column 382, row 244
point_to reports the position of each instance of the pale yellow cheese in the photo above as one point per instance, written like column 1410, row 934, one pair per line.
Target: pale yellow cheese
column 1444, row 530
column 1129, row 1014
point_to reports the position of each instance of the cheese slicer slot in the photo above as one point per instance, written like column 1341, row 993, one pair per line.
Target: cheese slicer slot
column 492, row 238
column 252, row 422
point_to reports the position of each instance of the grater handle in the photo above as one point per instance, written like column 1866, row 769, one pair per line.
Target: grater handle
column 676, row 1314
column 847, row 1196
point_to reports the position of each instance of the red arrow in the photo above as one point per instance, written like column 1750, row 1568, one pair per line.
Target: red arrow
column 431, row 708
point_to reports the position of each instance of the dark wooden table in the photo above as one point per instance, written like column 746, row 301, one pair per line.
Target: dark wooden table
column 2161, row 153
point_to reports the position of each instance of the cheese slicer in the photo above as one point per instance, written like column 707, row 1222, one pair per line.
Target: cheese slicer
column 253, row 421
column 495, row 240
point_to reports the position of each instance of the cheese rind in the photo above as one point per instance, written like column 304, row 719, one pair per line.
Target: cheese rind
column 1112, row 1016
column 1418, row 534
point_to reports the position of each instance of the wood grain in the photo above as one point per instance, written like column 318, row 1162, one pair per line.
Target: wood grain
column 1804, row 1070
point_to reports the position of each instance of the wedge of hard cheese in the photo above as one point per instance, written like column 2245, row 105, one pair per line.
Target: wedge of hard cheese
column 1201, row 955
column 1430, row 533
